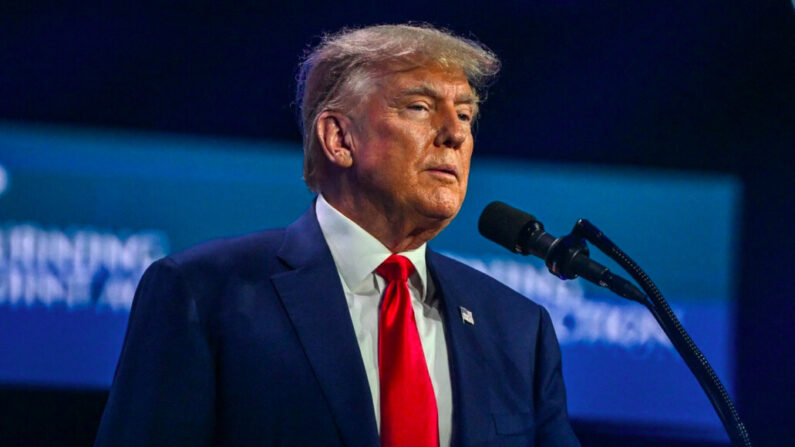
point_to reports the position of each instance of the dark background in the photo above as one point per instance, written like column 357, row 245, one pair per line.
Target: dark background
column 687, row 85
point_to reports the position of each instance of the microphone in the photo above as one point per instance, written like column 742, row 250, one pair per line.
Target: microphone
column 565, row 257
column 514, row 229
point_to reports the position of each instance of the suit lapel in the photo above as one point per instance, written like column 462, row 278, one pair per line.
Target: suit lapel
column 314, row 299
column 468, row 375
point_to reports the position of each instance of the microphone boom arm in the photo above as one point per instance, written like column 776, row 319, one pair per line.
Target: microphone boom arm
column 670, row 324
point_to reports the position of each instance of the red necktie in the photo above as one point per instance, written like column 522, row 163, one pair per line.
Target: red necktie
column 408, row 404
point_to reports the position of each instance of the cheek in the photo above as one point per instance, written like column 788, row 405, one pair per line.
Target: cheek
column 466, row 160
column 464, row 178
column 409, row 151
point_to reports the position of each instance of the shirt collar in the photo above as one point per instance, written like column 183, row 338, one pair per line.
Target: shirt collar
column 356, row 252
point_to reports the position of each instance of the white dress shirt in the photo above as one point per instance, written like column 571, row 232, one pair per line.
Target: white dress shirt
column 357, row 254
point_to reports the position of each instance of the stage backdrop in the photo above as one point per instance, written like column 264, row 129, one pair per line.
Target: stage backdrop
column 84, row 212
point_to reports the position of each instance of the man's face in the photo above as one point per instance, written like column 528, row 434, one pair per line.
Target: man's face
column 413, row 143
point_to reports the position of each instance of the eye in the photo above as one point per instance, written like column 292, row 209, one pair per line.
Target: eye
column 418, row 107
column 464, row 117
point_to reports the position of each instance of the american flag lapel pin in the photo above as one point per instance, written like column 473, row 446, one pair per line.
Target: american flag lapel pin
column 466, row 315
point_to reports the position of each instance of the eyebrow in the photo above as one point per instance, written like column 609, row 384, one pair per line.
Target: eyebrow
column 429, row 91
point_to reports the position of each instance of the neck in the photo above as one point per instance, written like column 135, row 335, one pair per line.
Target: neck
column 397, row 229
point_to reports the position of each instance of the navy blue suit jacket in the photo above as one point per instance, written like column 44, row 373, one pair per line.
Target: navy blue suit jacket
column 249, row 342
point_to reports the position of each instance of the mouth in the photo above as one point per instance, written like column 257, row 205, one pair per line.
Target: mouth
column 445, row 170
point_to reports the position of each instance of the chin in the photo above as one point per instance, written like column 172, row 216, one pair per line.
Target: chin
column 442, row 207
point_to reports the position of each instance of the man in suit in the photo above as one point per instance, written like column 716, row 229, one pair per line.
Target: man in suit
column 343, row 329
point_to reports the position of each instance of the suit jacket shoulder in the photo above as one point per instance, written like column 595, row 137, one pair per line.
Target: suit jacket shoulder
column 238, row 255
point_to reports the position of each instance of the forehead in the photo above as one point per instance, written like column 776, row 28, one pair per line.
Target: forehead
column 428, row 81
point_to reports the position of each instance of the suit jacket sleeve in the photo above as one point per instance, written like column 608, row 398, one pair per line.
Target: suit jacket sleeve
column 163, row 389
column 552, row 421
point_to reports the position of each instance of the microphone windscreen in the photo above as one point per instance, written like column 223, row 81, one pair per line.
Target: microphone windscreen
column 504, row 225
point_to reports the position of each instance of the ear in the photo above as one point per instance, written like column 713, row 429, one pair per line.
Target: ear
column 333, row 132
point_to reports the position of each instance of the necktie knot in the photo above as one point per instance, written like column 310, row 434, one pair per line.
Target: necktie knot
column 395, row 268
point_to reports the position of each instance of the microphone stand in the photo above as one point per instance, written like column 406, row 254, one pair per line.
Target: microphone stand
column 561, row 261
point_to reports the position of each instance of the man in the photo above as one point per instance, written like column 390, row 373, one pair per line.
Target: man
column 343, row 329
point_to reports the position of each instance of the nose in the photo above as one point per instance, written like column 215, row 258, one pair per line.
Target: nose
column 452, row 130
